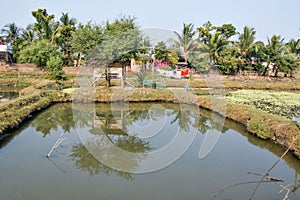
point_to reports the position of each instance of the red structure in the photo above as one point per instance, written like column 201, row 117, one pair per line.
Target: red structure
column 184, row 72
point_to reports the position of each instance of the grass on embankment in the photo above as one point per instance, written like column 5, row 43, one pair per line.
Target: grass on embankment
column 260, row 123
column 14, row 112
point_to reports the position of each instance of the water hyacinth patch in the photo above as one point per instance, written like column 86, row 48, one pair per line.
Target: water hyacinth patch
column 278, row 103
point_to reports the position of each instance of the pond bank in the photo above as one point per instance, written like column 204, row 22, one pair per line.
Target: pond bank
column 257, row 122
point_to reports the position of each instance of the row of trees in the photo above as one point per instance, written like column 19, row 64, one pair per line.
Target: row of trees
column 215, row 43
column 51, row 44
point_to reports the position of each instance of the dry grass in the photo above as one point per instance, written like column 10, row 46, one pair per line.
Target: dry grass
column 14, row 112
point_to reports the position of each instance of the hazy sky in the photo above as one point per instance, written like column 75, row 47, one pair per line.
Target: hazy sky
column 268, row 17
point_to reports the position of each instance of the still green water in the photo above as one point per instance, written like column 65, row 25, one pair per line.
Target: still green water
column 72, row 172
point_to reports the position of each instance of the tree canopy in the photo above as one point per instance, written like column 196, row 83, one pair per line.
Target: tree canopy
column 229, row 51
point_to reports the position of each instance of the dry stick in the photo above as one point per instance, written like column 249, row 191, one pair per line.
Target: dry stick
column 237, row 184
column 58, row 141
column 271, row 168
column 266, row 175
column 286, row 196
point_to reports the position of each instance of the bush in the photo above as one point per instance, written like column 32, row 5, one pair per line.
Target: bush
column 54, row 67
column 38, row 53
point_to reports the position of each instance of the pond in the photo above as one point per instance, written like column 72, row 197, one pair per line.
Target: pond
column 83, row 166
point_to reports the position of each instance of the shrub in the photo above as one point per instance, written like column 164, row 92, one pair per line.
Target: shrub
column 54, row 67
column 38, row 53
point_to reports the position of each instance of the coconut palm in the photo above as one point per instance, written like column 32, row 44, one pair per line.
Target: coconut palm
column 214, row 46
column 28, row 33
column 66, row 20
column 63, row 36
column 275, row 47
column 293, row 46
column 11, row 33
column 185, row 42
column 246, row 40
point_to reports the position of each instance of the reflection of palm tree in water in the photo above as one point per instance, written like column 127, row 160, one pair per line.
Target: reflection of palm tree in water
column 111, row 127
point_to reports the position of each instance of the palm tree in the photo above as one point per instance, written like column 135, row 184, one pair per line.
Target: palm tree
column 293, row 46
column 63, row 36
column 275, row 47
column 185, row 42
column 11, row 33
column 66, row 20
column 275, row 43
column 214, row 46
column 246, row 40
column 28, row 34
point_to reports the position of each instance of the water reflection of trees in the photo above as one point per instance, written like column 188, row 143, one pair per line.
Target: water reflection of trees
column 88, row 163
column 56, row 116
column 60, row 115
column 114, row 123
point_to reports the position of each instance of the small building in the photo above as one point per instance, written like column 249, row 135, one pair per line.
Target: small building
column 6, row 53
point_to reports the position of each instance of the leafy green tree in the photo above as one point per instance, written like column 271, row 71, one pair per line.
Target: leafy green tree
column 214, row 40
column 185, row 42
column 200, row 61
column 123, row 41
column 173, row 58
column 226, row 30
column 119, row 25
column 65, row 31
column 85, row 39
column 291, row 64
column 44, row 26
column 259, row 52
column 227, row 62
column 118, row 50
column 38, row 53
column 205, row 32
column 142, row 55
column 161, row 51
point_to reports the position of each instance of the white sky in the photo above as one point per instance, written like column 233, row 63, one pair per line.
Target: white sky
column 268, row 17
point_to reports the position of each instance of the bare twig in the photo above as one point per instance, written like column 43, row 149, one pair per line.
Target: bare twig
column 272, row 167
column 288, row 190
column 236, row 184
column 266, row 178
